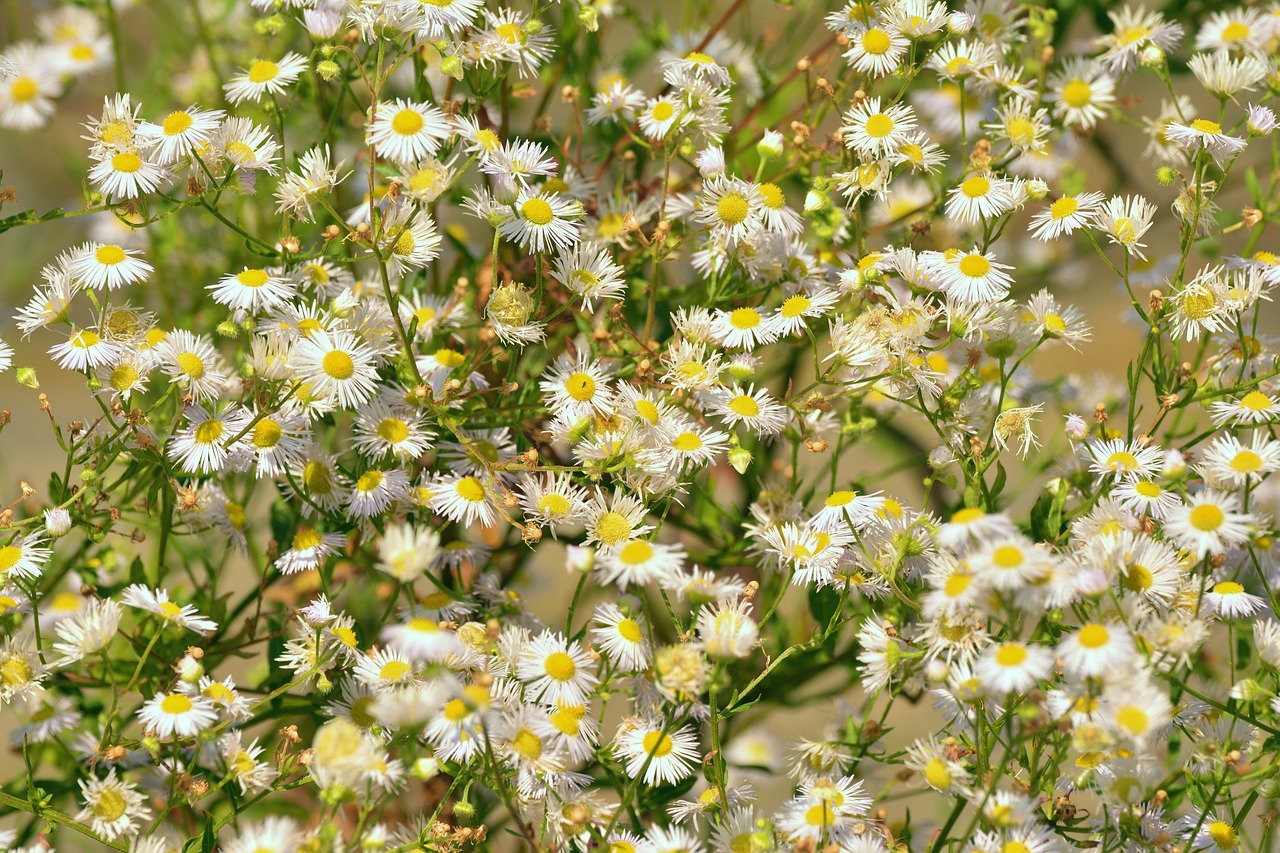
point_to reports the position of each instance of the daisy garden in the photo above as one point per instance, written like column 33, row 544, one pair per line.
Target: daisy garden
column 728, row 426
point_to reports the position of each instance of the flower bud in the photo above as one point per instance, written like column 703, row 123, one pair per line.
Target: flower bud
column 1166, row 175
column 578, row 560
column 425, row 769
column 771, row 145
column 328, row 70
column 451, row 66
column 57, row 521
column 1075, row 428
column 1151, row 56
column 740, row 459
column 589, row 18
column 26, row 377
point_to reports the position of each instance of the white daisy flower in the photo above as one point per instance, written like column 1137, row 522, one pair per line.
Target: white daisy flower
column 406, row 132
column 265, row 77
column 105, row 265
column 177, row 715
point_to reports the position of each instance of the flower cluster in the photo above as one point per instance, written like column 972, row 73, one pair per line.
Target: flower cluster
column 503, row 424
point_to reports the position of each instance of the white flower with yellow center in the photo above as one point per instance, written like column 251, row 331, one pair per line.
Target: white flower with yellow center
column 464, row 499
column 1013, row 667
column 405, row 132
column 157, row 601
column 638, row 562
column 177, row 715
column 969, row 277
column 753, row 408
column 126, row 174
column 309, row 549
column 106, row 265
column 190, row 361
column 252, row 290
column 338, row 366
column 86, row 349
column 1081, row 93
column 1208, row 523
column 875, row 50
column 1064, row 216
column 265, row 77
column 621, row 637
column 113, row 807
column 180, row 134
column 979, row 197
column 554, row 670
column 386, row 669
column 873, row 131
column 542, row 221
column 657, row 753
column 660, row 115
column 731, row 208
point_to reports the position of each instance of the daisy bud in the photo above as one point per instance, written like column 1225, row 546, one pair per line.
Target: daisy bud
column 425, row 769
column 935, row 671
column 1262, row 120
column 321, row 24
column 227, row 329
column 771, row 145
column 579, row 560
column 26, row 377
column 1166, row 175
column 1247, row 690
column 57, row 522
column 1175, row 464
column 710, row 161
column 940, row 457
column 816, row 201
column 1037, row 189
column 464, row 810
column 960, row 23
column 271, row 26
column 328, row 70
column 189, row 670
column 1092, row 582
column 727, row 631
column 533, row 27
column 740, row 459
column 452, row 67
column 505, row 188
column 1076, row 428
column 589, row 18
column 1151, row 56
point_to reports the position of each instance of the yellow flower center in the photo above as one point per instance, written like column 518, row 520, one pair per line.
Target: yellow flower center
column 393, row 670
column 879, row 126
column 209, row 431
column 744, row 318
column 629, row 630
column 1228, row 588
column 23, row 89
column 772, row 196
column 937, row 773
column 554, row 505
column 974, row 265
column 687, row 442
column 109, row 255
column 1133, row 720
column 15, row 672
column 1122, row 460
column 581, row 387
column 123, row 377
column 1008, row 557
column 732, row 208
column 262, row 71
column 1011, row 654
column 307, row 538
column 110, row 805
column 1063, row 207
column 176, row 123
column 470, row 489
column 1203, row 125
column 338, row 365
column 1093, row 636
column 1076, row 94
column 1207, row 517
column 1246, row 462
column 658, row 744
column 613, row 528
column 744, row 406
column 1234, row 32
column 537, row 211
column 253, row 278
column 175, row 704
column 527, row 744
column 976, row 187
column 662, row 111
column 876, row 42
column 393, row 430
column 560, row 666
